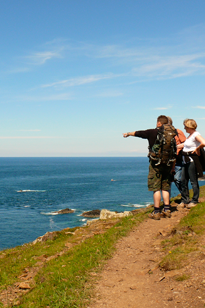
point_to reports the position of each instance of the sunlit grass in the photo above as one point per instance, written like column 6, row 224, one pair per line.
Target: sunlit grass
column 65, row 281
column 186, row 238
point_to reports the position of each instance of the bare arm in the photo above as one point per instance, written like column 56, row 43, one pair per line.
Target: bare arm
column 125, row 135
column 200, row 139
column 180, row 146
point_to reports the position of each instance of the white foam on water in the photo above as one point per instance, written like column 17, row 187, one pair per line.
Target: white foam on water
column 141, row 205
column 49, row 213
column 29, row 190
column 135, row 205
column 132, row 205
column 80, row 214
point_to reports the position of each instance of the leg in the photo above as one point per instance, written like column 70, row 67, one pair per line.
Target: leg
column 194, row 182
column 165, row 196
column 177, row 177
column 166, row 184
column 157, row 198
column 184, row 182
column 154, row 183
column 166, row 188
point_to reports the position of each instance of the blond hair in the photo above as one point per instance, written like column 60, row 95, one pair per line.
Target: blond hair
column 190, row 123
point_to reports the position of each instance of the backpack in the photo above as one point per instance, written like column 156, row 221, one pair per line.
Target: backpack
column 164, row 149
column 202, row 158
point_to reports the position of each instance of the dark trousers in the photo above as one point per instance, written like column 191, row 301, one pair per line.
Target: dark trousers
column 177, row 177
column 189, row 173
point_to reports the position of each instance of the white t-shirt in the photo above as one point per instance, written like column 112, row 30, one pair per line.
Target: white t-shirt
column 191, row 143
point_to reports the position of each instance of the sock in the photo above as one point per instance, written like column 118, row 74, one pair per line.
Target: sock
column 166, row 207
column 156, row 210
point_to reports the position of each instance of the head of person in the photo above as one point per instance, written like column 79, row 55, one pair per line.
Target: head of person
column 162, row 119
column 169, row 120
column 190, row 124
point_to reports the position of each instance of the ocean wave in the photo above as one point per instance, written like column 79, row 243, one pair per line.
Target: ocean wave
column 79, row 215
column 30, row 190
column 135, row 205
column 49, row 213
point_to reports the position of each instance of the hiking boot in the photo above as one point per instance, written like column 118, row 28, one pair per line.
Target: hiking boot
column 191, row 204
column 165, row 214
column 181, row 205
column 155, row 216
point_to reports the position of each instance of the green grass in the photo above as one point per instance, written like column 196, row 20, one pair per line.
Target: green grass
column 182, row 277
column 67, row 280
column 185, row 239
column 13, row 261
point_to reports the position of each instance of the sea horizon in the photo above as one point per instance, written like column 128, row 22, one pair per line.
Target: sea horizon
column 33, row 188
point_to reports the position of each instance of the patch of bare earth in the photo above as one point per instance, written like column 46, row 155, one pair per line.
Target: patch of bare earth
column 132, row 278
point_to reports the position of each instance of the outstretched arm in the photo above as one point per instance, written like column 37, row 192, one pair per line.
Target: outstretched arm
column 125, row 135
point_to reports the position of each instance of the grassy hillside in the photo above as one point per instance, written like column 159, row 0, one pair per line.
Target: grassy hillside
column 60, row 270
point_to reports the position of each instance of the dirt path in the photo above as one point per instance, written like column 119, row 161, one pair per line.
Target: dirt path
column 132, row 278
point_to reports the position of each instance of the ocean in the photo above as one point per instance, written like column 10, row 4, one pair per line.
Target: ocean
column 32, row 189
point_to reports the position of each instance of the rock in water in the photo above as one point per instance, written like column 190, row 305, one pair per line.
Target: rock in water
column 92, row 214
column 65, row 211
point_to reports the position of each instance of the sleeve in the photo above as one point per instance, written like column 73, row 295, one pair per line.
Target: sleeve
column 181, row 136
column 143, row 133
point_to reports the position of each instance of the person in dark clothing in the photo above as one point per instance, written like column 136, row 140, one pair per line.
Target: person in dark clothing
column 159, row 177
column 177, row 171
column 191, row 163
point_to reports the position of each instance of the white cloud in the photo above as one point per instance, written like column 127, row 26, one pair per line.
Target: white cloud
column 40, row 58
column 178, row 56
column 117, row 51
column 199, row 107
column 162, row 108
column 29, row 130
column 18, row 70
column 36, row 58
column 80, row 80
column 172, row 66
column 110, row 94
column 138, row 60
column 27, row 137
column 44, row 98
column 148, row 59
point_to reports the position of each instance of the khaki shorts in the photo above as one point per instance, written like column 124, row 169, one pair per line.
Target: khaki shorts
column 159, row 177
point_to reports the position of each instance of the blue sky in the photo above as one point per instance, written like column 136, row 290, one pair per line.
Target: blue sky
column 75, row 75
